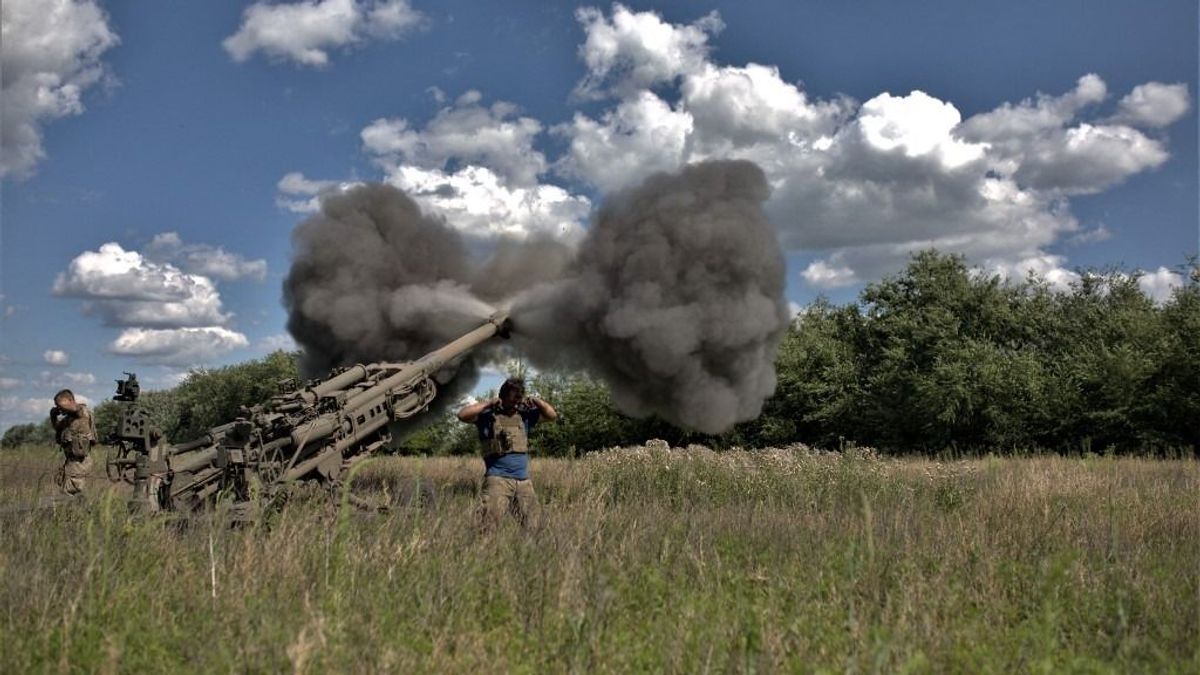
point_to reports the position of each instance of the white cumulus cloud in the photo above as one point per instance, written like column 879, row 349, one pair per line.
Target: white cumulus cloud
column 821, row 274
column 467, row 132
column 917, row 125
column 1044, row 145
column 1154, row 104
column 304, row 32
column 27, row 409
column 179, row 346
column 1157, row 285
column 300, row 194
column 739, row 107
column 169, row 316
column 479, row 203
column 641, row 136
column 56, row 357
column 126, row 289
column 862, row 184
column 1049, row 268
column 23, row 410
column 476, row 166
column 67, row 379
column 631, row 51
column 51, row 55
column 204, row 259
column 1160, row 284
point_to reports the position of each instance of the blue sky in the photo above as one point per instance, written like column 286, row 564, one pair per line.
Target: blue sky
column 157, row 155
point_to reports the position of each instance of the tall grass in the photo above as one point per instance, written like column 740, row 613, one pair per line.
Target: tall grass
column 642, row 559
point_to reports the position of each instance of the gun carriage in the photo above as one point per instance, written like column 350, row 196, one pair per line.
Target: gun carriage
column 312, row 433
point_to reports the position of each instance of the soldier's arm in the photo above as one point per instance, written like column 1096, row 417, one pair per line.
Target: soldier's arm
column 56, row 423
column 471, row 411
column 86, row 413
column 548, row 410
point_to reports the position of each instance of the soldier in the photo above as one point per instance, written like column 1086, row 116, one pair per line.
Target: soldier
column 504, row 424
column 75, row 432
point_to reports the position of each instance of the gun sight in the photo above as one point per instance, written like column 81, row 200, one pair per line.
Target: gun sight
column 128, row 388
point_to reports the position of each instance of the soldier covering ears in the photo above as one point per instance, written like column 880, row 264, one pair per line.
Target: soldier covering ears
column 75, row 433
column 504, row 424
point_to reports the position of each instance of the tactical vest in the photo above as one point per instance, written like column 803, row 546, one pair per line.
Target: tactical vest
column 79, row 435
column 508, row 434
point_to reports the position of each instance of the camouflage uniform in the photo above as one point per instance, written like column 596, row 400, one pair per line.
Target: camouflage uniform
column 76, row 433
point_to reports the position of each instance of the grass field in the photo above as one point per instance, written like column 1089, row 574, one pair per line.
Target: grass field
column 642, row 560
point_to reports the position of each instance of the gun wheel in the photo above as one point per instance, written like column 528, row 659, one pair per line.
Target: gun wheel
column 270, row 469
column 112, row 458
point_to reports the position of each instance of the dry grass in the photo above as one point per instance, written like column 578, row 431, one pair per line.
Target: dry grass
column 644, row 559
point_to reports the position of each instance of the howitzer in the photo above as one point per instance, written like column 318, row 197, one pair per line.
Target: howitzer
column 311, row 433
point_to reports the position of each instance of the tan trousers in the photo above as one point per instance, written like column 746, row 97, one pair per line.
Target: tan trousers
column 74, row 474
column 501, row 495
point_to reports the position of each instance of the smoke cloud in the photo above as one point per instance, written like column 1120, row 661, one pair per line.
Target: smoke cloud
column 374, row 279
column 674, row 297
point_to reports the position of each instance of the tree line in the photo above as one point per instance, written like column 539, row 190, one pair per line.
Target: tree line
column 937, row 358
column 942, row 358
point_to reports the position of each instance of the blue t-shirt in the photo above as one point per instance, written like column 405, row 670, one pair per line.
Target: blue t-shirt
column 513, row 464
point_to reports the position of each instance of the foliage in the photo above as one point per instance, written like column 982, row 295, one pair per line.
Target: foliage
column 943, row 358
column 35, row 433
column 209, row 397
column 939, row 358
column 206, row 398
column 441, row 433
column 161, row 405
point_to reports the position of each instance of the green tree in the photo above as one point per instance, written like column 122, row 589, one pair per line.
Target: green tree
column 160, row 404
column 946, row 358
column 589, row 420
column 210, row 397
column 817, row 394
column 1108, row 344
column 441, row 434
column 1171, row 407
column 943, row 356
column 37, row 433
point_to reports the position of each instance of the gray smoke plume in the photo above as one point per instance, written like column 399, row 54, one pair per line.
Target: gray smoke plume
column 374, row 279
column 516, row 265
column 675, row 298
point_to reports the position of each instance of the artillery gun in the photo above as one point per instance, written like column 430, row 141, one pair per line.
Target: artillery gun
column 312, row 433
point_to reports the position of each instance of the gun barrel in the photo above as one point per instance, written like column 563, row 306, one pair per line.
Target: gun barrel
column 312, row 432
column 352, row 375
column 497, row 324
